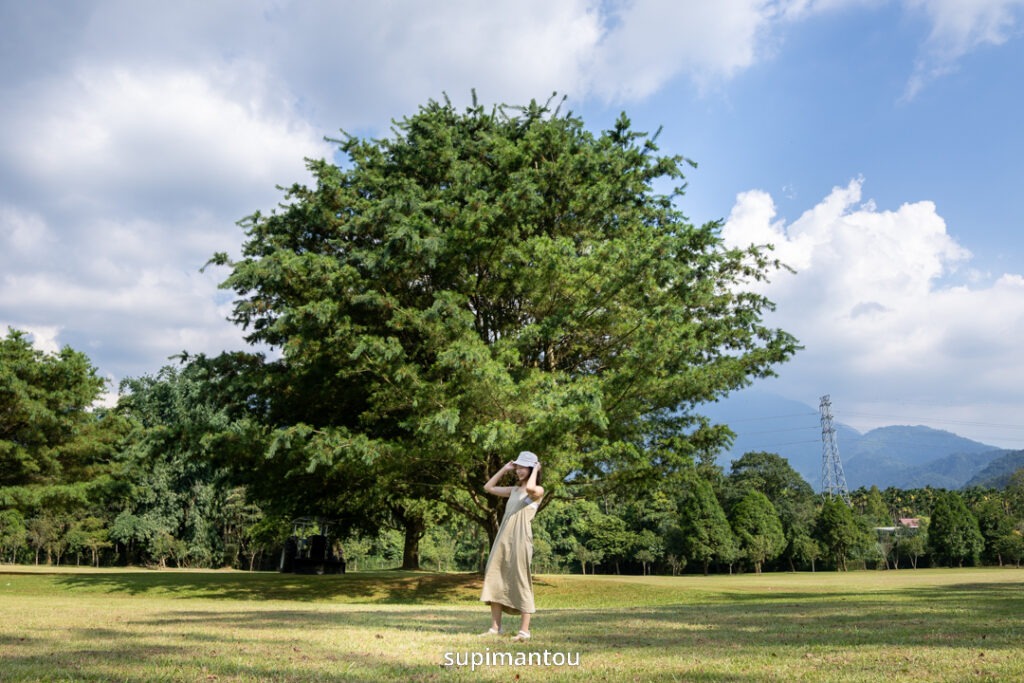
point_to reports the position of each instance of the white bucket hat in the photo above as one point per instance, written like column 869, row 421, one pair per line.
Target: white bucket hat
column 527, row 459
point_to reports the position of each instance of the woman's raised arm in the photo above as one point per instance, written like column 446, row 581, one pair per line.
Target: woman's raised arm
column 491, row 485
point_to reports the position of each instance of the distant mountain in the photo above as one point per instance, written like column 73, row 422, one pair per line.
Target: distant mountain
column 889, row 468
column 913, row 457
column 900, row 456
column 997, row 474
column 951, row 472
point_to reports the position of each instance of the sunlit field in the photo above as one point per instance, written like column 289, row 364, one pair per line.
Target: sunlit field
column 139, row 625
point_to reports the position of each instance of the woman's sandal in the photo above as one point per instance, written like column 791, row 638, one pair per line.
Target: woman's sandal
column 491, row 632
column 522, row 637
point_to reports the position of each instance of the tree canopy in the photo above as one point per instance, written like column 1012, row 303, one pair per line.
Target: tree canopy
column 497, row 279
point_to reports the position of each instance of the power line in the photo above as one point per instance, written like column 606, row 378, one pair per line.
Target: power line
column 969, row 423
column 788, row 443
column 897, row 420
column 780, row 431
column 773, row 417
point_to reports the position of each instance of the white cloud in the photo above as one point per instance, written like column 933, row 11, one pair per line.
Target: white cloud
column 652, row 41
column 122, row 182
column 106, row 137
column 961, row 25
column 355, row 65
column 44, row 337
column 957, row 28
column 879, row 305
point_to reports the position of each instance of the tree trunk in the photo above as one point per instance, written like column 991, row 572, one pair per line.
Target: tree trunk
column 414, row 530
column 494, row 515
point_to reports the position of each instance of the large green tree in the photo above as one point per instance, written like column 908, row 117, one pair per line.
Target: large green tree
column 496, row 279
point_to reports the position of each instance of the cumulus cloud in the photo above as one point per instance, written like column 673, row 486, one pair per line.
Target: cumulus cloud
column 104, row 137
column 120, row 182
column 883, row 305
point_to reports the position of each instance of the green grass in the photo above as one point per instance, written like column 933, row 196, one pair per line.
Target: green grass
column 906, row 625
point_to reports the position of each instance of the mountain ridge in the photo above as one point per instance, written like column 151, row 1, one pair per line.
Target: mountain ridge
column 901, row 456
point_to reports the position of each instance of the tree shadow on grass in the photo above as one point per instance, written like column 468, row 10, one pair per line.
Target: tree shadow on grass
column 370, row 587
column 989, row 615
column 120, row 660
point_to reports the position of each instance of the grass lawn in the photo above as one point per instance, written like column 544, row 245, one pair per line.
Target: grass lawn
column 139, row 625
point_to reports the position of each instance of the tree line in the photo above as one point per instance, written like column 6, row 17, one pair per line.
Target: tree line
column 165, row 479
column 478, row 283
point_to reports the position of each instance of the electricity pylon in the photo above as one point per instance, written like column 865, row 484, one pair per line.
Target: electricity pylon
column 833, row 480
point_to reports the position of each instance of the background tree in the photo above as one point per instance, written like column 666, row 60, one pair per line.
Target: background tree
column 647, row 547
column 676, row 563
column 804, row 549
column 871, row 506
column 42, row 532
column 953, row 534
column 89, row 534
column 839, row 531
column 57, row 454
column 1010, row 546
column 703, row 533
column 598, row 537
column 913, row 543
column 13, row 534
column 1013, row 495
column 994, row 522
column 792, row 497
column 178, row 483
column 758, row 529
column 492, row 280
column 44, row 402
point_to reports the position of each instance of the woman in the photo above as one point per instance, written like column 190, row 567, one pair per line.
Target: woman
column 507, row 583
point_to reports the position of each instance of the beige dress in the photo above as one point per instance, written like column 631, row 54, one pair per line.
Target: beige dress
column 507, row 576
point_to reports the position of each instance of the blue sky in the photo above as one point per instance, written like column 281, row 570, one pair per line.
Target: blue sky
column 876, row 143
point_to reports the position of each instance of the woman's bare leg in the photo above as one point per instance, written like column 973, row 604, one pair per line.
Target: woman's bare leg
column 495, row 616
column 525, row 625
